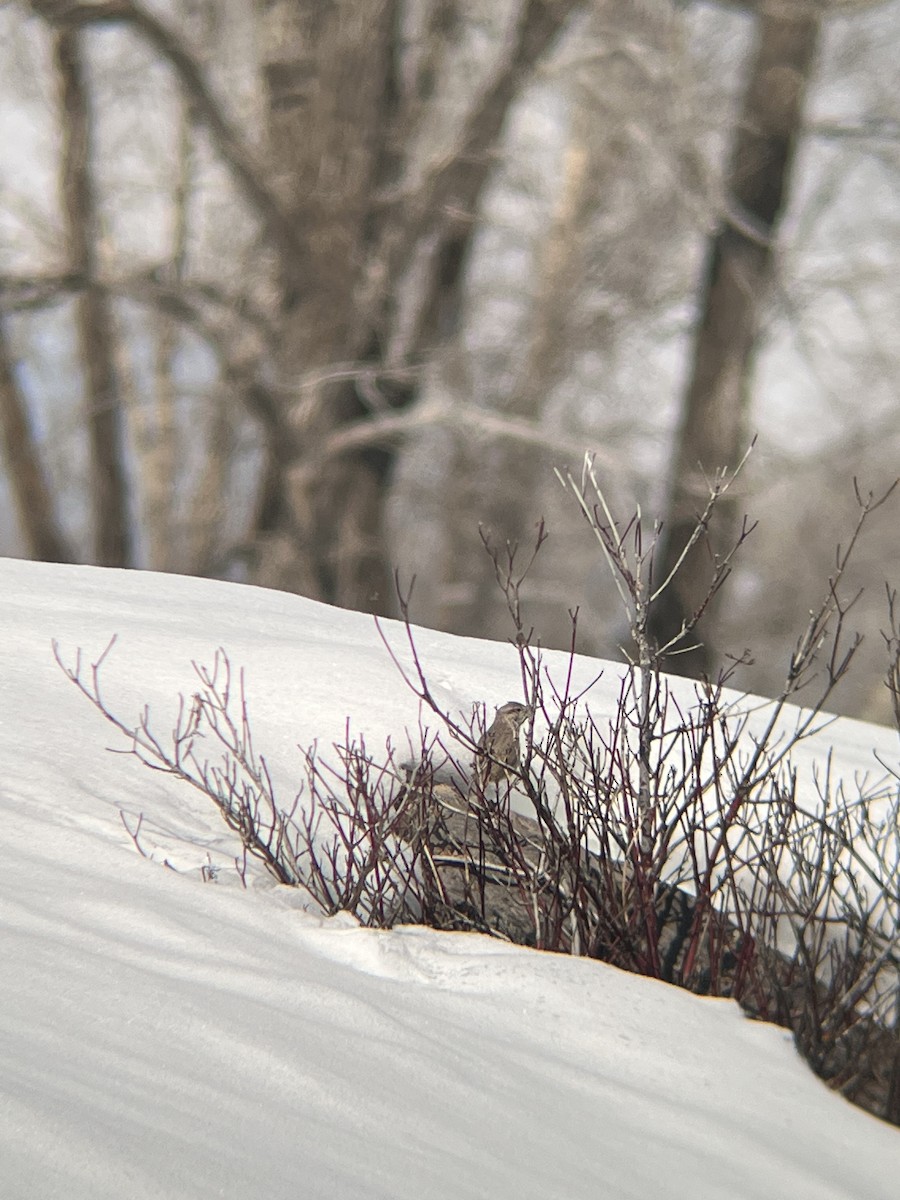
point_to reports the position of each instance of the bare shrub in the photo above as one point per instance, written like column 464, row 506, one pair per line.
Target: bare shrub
column 669, row 838
column 336, row 846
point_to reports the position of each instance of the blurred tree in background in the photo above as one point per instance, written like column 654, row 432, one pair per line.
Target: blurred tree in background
column 295, row 291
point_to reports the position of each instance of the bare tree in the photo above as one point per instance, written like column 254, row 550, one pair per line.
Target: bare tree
column 387, row 228
column 737, row 274
column 323, row 200
column 366, row 226
column 577, row 226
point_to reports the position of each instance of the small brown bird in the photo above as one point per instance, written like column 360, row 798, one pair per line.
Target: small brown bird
column 498, row 749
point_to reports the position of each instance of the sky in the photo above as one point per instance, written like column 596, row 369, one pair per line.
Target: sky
column 167, row 1032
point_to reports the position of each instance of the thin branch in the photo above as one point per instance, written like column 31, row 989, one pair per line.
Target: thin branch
column 247, row 170
column 392, row 428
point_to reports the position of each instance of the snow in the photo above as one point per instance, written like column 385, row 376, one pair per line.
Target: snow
column 166, row 1037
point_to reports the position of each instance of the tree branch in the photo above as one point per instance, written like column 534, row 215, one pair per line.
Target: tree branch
column 389, row 429
column 248, row 172
column 435, row 205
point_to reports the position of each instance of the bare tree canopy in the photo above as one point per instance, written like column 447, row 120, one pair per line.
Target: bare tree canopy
column 299, row 293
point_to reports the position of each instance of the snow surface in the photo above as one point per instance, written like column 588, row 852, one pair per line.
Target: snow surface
column 166, row 1037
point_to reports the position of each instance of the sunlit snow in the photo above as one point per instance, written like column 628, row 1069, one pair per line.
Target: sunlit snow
column 165, row 1036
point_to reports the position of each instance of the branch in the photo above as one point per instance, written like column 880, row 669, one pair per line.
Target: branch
column 69, row 14
column 187, row 300
column 200, row 305
column 436, row 200
column 21, row 293
column 390, row 428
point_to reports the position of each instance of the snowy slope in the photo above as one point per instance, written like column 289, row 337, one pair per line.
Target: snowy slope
column 165, row 1037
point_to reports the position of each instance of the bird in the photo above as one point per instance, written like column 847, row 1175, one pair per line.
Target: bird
column 497, row 756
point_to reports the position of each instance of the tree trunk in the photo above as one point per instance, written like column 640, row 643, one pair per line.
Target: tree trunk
column 737, row 275
column 510, row 502
column 109, row 497
column 325, row 73
column 44, row 540
column 158, row 456
column 385, row 241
